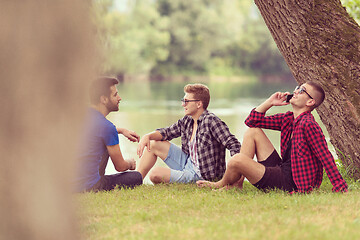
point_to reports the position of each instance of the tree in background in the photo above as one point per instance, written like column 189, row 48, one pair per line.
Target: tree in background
column 200, row 37
column 132, row 40
column 168, row 37
column 255, row 51
column 210, row 37
column 198, row 29
column 321, row 42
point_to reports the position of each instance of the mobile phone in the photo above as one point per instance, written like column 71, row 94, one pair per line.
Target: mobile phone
column 288, row 97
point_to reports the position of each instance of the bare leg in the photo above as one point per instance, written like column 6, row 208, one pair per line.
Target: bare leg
column 255, row 142
column 238, row 166
column 148, row 159
column 160, row 175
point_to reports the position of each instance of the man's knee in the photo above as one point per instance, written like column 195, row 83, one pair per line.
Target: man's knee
column 137, row 178
column 253, row 132
column 236, row 162
column 247, row 167
column 157, row 176
column 133, row 179
column 154, row 144
column 157, row 146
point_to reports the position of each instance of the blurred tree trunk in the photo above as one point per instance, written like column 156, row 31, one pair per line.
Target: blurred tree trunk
column 321, row 42
column 46, row 59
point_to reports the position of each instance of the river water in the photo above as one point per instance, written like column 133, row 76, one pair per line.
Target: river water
column 146, row 106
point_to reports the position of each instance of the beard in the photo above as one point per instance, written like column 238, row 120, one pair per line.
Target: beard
column 112, row 107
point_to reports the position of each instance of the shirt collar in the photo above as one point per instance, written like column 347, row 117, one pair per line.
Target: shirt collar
column 93, row 111
column 202, row 116
column 301, row 116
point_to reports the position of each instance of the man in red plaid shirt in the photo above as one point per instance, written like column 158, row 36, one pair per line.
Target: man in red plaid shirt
column 304, row 151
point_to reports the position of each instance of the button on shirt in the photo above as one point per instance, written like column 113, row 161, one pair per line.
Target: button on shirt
column 212, row 138
column 309, row 151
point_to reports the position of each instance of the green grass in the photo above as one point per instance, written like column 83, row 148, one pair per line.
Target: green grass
column 183, row 211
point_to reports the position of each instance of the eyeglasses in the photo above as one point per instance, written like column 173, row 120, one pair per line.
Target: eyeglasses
column 301, row 90
column 185, row 101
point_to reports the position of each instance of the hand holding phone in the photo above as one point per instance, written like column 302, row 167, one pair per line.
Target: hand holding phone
column 288, row 97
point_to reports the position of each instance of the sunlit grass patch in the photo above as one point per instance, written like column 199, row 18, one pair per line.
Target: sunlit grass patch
column 184, row 211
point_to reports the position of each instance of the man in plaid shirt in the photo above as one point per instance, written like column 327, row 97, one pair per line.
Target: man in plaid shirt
column 304, row 151
column 204, row 138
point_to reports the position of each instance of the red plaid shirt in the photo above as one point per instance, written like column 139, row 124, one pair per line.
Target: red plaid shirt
column 309, row 150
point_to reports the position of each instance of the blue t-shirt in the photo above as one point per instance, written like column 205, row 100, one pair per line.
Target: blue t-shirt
column 99, row 133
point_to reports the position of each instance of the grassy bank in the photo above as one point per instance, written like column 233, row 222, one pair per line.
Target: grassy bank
column 187, row 212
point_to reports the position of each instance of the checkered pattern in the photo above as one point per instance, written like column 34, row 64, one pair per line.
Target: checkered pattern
column 309, row 150
column 212, row 138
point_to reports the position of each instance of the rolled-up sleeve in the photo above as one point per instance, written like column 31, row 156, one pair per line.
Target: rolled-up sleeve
column 172, row 131
column 221, row 132
column 259, row 120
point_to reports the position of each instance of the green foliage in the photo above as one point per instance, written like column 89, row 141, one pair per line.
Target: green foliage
column 219, row 38
column 255, row 50
column 170, row 37
column 198, row 29
column 183, row 211
column 353, row 8
column 349, row 172
column 131, row 41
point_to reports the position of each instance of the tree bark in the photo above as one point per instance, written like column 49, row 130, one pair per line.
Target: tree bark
column 321, row 42
column 46, row 59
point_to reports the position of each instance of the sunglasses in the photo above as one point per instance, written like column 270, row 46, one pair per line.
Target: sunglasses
column 301, row 90
column 185, row 101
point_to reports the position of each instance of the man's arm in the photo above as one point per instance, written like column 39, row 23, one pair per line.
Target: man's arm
column 131, row 135
column 222, row 134
column 277, row 99
column 257, row 119
column 119, row 162
column 145, row 141
column 161, row 134
column 319, row 147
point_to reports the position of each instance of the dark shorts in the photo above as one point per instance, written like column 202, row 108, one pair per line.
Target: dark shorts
column 128, row 179
column 273, row 177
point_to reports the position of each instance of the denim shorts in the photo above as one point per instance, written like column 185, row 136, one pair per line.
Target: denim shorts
column 181, row 167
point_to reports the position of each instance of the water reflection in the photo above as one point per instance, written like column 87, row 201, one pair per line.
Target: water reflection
column 146, row 106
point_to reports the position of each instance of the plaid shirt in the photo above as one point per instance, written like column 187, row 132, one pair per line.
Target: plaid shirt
column 309, row 151
column 212, row 137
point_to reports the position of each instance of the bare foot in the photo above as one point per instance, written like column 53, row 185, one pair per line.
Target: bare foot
column 219, row 187
column 238, row 185
column 203, row 183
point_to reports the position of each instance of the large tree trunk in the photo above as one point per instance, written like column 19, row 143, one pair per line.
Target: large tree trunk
column 320, row 43
column 45, row 60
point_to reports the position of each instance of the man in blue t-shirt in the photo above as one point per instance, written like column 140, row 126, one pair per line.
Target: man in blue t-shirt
column 101, row 140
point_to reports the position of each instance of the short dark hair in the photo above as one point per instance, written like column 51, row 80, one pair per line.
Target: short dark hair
column 320, row 91
column 200, row 92
column 101, row 87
